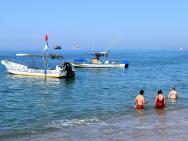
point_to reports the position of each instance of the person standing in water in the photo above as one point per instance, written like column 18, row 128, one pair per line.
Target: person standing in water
column 172, row 94
column 159, row 100
column 139, row 100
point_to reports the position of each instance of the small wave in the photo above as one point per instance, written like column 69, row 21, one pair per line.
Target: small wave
column 6, row 91
column 70, row 123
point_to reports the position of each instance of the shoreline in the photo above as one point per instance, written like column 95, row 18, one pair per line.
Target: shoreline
column 160, row 125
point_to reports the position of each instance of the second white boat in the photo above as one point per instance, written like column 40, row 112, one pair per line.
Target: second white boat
column 97, row 62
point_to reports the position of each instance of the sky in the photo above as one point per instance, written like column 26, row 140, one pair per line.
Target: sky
column 92, row 24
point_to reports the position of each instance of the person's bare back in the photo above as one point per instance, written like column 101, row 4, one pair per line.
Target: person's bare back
column 172, row 94
column 139, row 100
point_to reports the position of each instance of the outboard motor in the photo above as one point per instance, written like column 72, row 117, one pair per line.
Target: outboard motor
column 126, row 63
column 68, row 69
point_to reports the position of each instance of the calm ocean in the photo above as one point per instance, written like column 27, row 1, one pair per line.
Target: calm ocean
column 98, row 103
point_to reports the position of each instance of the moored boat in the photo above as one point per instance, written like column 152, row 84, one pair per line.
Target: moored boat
column 97, row 62
column 64, row 70
column 19, row 69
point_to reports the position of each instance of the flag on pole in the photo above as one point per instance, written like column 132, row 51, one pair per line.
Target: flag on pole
column 46, row 46
column 46, row 37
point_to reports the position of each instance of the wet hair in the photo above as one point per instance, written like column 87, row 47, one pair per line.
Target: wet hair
column 141, row 92
column 173, row 88
column 160, row 92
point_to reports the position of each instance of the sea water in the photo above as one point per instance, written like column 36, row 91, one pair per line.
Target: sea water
column 98, row 104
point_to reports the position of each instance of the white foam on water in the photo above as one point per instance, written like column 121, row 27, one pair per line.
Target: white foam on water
column 73, row 122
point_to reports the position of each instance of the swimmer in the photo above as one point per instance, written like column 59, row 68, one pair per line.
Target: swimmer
column 159, row 100
column 172, row 94
column 139, row 100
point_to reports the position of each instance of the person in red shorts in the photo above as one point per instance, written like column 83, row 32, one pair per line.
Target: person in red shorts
column 159, row 100
column 139, row 100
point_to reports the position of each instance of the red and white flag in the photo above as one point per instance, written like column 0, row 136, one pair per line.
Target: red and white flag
column 46, row 37
column 46, row 46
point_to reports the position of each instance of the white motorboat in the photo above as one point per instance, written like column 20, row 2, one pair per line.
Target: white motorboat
column 64, row 70
column 97, row 62
column 59, row 72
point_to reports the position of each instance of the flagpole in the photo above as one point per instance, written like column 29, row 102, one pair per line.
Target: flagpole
column 45, row 56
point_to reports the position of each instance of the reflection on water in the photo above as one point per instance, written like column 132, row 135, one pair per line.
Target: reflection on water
column 93, row 71
column 68, row 81
column 140, row 113
column 32, row 78
column 173, row 101
column 160, row 113
column 40, row 81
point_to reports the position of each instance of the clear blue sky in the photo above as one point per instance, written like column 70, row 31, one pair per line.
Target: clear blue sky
column 101, row 23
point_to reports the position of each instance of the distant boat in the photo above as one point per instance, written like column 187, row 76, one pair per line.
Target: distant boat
column 57, row 47
column 75, row 48
column 181, row 48
column 65, row 70
column 97, row 62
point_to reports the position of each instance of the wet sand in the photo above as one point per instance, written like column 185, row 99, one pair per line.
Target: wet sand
column 158, row 125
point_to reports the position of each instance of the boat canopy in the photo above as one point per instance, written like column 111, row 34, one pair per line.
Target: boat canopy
column 100, row 54
column 80, row 60
column 52, row 56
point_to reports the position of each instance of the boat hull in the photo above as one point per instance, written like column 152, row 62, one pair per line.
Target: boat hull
column 40, row 74
column 85, row 65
